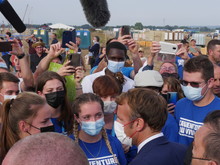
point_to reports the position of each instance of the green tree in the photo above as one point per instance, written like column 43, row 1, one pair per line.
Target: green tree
column 138, row 26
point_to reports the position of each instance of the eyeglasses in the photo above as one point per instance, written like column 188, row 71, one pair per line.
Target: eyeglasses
column 206, row 159
column 192, row 84
column 168, row 68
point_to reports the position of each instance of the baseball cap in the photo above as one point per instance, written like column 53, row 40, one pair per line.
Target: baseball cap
column 148, row 78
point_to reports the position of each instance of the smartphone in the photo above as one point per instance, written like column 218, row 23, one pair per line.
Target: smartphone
column 67, row 37
column 166, row 97
column 125, row 30
column 167, row 52
column 75, row 59
column 173, row 98
column 168, row 48
column 6, row 46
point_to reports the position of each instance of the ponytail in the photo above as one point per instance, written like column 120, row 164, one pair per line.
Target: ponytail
column 14, row 111
column 8, row 135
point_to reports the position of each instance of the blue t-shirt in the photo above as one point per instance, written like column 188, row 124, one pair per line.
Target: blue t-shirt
column 58, row 126
column 98, row 153
column 190, row 118
column 170, row 129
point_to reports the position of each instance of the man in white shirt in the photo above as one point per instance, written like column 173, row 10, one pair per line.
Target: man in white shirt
column 115, row 57
column 141, row 114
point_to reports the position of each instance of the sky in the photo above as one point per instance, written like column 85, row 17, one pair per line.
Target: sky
column 123, row 12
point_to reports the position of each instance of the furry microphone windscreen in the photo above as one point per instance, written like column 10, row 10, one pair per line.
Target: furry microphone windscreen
column 10, row 14
column 96, row 11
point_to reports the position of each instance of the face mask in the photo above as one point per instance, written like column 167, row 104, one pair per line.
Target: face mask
column 55, row 99
column 44, row 129
column 193, row 94
column 122, row 137
column 115, row 66
column 93, row 127
column 94, row 41
column 109, row 106
column 9, row 97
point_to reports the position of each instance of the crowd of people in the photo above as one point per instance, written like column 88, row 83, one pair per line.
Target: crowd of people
column 123, row 112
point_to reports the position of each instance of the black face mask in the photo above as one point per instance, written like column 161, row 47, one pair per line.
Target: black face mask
column 44, row 129
column 55, row 99
column 47, row 129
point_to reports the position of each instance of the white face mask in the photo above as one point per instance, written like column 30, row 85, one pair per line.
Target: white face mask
column 193, row 94
column 119, row 131
column 115, row 66
column 109, row 106
column 9, row 97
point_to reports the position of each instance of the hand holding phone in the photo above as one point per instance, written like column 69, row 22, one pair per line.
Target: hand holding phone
column 168, row 52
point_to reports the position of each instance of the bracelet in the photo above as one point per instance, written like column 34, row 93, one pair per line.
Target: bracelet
column 21, row 56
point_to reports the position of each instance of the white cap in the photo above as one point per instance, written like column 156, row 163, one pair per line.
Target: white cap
column 148, row 78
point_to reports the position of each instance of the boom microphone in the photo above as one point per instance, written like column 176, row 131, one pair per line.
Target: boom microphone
column 96, row 11
column 10, row 14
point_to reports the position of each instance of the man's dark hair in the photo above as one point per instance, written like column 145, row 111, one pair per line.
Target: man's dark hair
column 211, row 45
column 184, row 42
column 97, row 38
column 200, row 64
column 8, row 33
column 212, row 140
column 146, row 104
column 116, row 45
column 6, row 76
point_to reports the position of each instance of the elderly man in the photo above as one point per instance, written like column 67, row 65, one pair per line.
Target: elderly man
column 206, row 146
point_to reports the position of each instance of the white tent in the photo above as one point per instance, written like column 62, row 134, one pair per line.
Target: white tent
column 61, row 26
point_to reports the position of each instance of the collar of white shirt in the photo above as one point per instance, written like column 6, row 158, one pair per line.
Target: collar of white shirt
column 148, row 140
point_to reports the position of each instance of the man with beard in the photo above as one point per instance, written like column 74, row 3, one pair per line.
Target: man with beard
column 216, row 85
column 213, row 50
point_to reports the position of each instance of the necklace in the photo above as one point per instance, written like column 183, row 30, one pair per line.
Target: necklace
column 90, row 152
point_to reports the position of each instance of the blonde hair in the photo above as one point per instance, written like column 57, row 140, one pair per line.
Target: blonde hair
column 83, row 99
column 14, row 111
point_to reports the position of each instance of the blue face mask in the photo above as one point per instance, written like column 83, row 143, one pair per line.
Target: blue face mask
column 93, row 127
column 115, row 66
column 193, row 94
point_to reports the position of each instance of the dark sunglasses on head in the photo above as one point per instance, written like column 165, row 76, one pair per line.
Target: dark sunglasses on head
column 192, row 84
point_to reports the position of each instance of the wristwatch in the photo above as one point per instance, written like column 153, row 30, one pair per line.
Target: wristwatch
column 20, row 56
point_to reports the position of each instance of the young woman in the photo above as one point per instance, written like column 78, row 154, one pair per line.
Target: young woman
column 171, row 84
column 89, row 132
column 51, row 86
column 27, row 114
column 108, row 88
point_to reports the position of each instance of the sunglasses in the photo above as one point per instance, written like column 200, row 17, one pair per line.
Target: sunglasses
column 165, row 75
column 192, row 84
